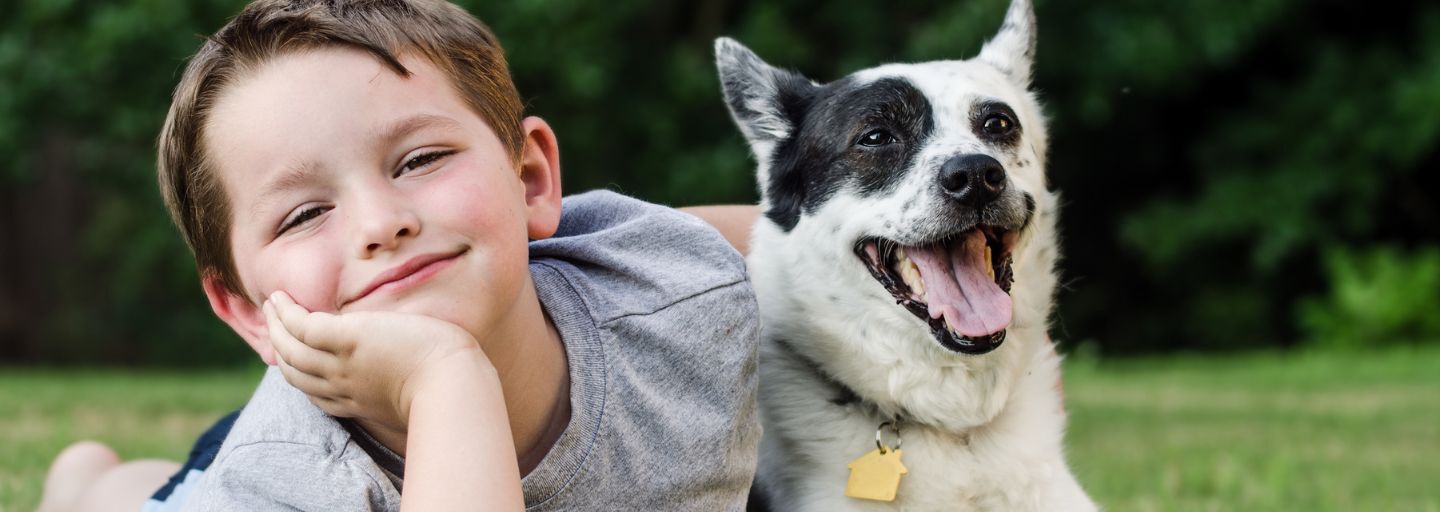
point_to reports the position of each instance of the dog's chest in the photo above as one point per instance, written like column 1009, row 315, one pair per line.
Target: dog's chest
column 948, row 473
column 944, row 472
column 812, row 438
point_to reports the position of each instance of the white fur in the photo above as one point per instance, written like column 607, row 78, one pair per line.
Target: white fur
column 980, row 432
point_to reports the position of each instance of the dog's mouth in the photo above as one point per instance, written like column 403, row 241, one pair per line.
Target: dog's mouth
column 959, row 285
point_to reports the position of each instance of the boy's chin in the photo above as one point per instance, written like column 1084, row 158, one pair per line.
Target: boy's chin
column 458, row 312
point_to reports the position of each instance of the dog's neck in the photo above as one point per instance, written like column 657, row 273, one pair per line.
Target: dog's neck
column 894, row 411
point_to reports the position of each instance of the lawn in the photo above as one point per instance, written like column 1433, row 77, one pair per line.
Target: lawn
column 1270, row 432
column 1311, row 432
column 140, row 414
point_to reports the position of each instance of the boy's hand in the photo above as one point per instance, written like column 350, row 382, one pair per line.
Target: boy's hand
column 364, row 364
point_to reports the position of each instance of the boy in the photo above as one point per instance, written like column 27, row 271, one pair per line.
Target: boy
column 369, row 212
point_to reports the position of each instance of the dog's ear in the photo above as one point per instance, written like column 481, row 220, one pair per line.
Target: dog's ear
column 767, row 103
column 759, row 95
column 1012, row 50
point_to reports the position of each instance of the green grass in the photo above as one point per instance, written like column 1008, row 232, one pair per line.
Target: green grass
column 141, row 415
column 1292, row 432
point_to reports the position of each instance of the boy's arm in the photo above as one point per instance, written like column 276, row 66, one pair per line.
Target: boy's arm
column 457, row 454
column 417, row 376
column 732, row 220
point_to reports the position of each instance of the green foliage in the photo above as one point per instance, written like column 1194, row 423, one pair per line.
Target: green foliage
column 86, row 88
column 1243, row 142
column 1381, row 296
column 1206, row 153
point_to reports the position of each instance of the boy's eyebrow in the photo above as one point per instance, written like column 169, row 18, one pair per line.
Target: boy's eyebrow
column 392, row 133
column 293, row 176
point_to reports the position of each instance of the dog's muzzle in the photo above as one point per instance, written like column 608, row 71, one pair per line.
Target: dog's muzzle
column 959, row 286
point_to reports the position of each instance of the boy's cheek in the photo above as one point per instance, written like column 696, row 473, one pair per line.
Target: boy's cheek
column 306, row 283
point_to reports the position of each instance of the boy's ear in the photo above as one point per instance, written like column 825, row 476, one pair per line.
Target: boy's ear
column 241, row 315
column 540, row 175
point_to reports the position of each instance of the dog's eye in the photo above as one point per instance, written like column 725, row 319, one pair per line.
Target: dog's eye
column 998, row 124
column 876, row 138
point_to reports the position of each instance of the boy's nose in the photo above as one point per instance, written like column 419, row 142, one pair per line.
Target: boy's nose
column 384, row 227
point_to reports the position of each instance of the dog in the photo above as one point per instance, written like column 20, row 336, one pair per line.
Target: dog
column 904, row 263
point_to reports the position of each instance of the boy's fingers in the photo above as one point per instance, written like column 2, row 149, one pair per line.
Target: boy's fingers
column 306, row 383
column 331, row 406
column 290, row 350
column 320, row 331
column 292, row 316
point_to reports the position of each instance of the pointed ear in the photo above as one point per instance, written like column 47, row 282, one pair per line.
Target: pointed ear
column 242, row 315
column 757, row 93
column 540, row 175
column 1012, row 50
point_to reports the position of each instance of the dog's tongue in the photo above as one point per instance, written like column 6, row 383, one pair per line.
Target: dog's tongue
column 958, row 288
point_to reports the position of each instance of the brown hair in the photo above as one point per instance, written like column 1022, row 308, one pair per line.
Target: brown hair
column 459, row 45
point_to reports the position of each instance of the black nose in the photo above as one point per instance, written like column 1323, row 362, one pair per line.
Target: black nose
column 973, row 180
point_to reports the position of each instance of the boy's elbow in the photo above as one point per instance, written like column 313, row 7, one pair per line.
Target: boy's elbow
column 733, row 221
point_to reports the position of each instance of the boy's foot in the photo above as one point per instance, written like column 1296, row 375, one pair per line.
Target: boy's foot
column 89, row 476
column 76, row 469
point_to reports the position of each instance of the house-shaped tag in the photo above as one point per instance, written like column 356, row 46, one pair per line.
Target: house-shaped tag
column 875, row 476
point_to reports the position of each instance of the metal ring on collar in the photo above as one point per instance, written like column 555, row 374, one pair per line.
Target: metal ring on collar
column 880, row 433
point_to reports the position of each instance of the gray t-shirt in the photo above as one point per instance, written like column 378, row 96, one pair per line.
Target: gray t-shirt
column 660, row 327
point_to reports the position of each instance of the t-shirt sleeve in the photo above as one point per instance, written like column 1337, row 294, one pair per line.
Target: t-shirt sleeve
column 691, row 399
column 284, row 476
column 661, row 327
column 629, row 257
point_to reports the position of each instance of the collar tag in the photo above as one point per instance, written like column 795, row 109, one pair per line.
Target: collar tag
column 876, row 475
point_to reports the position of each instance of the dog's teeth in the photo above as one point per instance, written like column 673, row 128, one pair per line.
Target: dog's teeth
column 911, row 274
column 989, row 264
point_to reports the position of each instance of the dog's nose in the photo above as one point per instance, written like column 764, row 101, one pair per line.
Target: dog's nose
column 973, row 180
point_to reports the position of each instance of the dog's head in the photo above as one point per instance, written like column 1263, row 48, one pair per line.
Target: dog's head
column 926, row 174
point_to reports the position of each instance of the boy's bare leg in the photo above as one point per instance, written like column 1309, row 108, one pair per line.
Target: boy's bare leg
column 89, row 476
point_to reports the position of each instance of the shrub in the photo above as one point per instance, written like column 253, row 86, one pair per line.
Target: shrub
column 1378, row 296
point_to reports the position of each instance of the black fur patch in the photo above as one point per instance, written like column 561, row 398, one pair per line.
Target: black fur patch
column 758, row 501
column 982, row 111
column 824, row 155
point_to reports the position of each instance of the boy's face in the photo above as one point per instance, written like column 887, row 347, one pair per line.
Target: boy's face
column 353, row 188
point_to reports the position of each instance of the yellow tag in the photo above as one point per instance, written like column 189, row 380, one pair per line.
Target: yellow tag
column 875, row 476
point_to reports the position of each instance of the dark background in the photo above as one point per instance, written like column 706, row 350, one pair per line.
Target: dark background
column 1236, row 175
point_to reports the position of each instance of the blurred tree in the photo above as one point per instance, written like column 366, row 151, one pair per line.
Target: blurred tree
column 1262, row 136
column 1206, row 152
column 96, row 272
column 1380, row 297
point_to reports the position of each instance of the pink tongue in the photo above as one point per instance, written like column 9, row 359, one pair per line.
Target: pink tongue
column 957, row 287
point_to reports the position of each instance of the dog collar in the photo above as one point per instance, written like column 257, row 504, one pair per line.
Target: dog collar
column 845, row 396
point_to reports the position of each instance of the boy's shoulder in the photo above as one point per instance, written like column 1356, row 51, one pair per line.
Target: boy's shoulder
column 660, row 327
column 285, row 452
column 627, row 257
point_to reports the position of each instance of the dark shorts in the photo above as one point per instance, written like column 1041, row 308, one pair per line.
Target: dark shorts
column 202, row 454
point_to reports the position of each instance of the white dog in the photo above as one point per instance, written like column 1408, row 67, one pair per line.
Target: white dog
column 905, row 268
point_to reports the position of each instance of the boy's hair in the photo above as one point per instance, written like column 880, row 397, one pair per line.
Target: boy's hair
column 459, row 45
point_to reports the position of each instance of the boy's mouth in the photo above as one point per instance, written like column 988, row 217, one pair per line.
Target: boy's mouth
column 960, row 285
column 413, row 271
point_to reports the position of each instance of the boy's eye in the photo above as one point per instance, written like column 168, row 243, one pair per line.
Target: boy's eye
column 299, row 218
column 422, row 160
